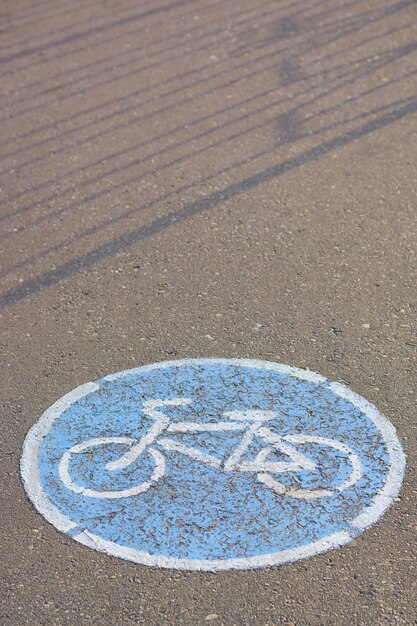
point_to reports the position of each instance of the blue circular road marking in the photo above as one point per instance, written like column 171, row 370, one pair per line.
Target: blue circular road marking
column 210, row 464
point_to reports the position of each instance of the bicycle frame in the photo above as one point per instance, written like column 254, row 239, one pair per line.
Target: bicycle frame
column 251, row 423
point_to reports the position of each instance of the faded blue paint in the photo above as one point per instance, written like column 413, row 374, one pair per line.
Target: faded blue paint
column 195, row 511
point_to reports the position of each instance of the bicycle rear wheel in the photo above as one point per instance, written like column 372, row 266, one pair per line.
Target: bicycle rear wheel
column 298, row 492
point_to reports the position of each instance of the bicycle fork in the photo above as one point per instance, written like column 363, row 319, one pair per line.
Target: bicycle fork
column 161, row 423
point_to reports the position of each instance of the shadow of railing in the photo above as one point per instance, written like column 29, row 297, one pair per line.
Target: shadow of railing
column 118, row 244
column 288, row 111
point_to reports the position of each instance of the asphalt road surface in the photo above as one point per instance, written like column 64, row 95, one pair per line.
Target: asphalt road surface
column 205, row 178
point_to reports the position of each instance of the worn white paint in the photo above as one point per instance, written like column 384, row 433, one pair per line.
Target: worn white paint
column 216, row 565
column 380, row 503
column 161, row 421
column 193, row 453
column 251, row 423
column 397, row 459
column 63, row 469
column 29, row 461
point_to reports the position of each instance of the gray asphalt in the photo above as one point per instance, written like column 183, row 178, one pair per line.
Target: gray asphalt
column 193, row 178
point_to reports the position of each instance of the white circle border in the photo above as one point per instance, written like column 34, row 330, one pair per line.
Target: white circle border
column 369, row 516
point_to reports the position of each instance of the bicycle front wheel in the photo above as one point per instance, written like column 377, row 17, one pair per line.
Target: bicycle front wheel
column 100, row 445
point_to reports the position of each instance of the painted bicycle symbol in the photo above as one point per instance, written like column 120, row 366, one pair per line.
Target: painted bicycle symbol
column 252, row 425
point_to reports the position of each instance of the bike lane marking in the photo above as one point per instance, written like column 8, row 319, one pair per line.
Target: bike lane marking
column 212, row 464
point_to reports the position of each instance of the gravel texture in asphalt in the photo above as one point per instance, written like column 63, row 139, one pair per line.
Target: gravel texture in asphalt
column 207, row 179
